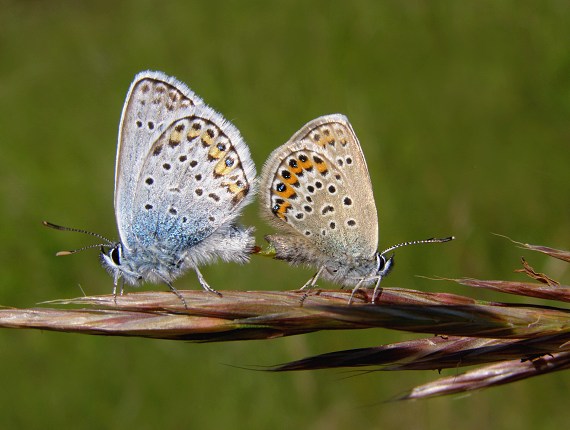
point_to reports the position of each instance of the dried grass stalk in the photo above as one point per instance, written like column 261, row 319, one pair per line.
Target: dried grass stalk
column 511, row 341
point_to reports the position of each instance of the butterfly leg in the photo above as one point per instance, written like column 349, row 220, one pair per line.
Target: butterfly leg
column 204, row 284
column 377, row 290
column 115, row 283
column 313, row 280
column 175, row 291
column 354, row 290
column 310, row 284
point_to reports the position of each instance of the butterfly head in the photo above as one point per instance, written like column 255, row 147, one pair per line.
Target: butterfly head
column 384, row 265
column 111, row 257
column 119, row 265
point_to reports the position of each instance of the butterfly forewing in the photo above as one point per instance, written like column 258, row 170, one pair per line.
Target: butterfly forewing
column 204, row 173
column 318, row 185
column 153, row 103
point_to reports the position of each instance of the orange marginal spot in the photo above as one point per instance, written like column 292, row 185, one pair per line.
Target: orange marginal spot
column 292, row 178
column 206, row 138
column 294, row 167
column 324, row 140
column 306, row 165
column 225, row 165
column 233, row 187
column 283, row 208
column 287, row 193
column 215, row 152
column 239, row 196
column 194, row 131
column 322, row 167
column 175, row 138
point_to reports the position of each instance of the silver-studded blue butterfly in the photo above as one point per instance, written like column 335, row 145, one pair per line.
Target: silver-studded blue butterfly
column 316, row 190
column 183, row 175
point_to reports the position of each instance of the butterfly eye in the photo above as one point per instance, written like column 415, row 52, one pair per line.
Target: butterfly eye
column 381, row 262
column 115, row 255
column 384, row 265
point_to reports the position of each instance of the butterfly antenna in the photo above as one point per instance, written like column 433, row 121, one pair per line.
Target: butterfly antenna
column 416, row 242
column 73, row 251
column 77, row 230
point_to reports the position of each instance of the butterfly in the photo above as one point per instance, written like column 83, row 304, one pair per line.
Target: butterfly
column 183, row 175
column 316, row 190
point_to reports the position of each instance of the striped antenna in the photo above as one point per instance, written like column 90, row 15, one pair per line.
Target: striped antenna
column 77, row 230
column 416, row 242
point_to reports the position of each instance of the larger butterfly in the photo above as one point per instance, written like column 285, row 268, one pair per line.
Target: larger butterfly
column 183, row 175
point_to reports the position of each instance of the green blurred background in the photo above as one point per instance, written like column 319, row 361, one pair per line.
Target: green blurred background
column 462, row 109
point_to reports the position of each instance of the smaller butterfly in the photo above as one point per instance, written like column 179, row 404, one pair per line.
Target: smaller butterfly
column 183, row 175
column 316, row 190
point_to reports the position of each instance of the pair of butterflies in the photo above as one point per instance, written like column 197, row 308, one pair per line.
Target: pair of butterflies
column 184, row 173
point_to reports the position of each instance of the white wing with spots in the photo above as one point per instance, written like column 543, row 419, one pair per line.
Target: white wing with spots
column 196, row 177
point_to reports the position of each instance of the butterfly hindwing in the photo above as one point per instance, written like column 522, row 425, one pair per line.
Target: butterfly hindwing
column 195, row 178
column 318, row 185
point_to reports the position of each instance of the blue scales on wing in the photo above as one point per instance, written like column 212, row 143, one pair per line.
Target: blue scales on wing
column 192, row 182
